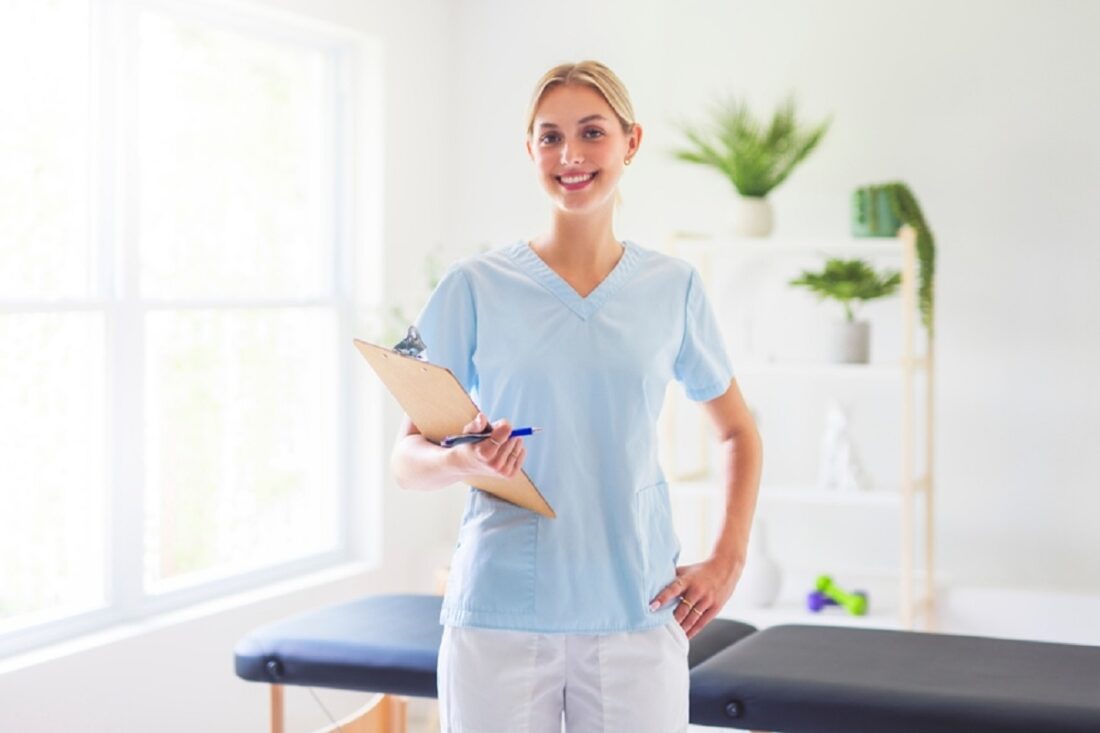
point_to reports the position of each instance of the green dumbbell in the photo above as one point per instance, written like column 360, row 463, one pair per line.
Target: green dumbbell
column 854, row 603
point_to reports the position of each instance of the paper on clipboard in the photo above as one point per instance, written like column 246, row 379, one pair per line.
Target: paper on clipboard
column 438, row 405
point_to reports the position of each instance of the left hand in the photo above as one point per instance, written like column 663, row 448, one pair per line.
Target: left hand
column 703, row 589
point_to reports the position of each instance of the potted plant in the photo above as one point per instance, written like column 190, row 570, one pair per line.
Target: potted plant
column 753, row 157
column 879, row 210
column 851, row 282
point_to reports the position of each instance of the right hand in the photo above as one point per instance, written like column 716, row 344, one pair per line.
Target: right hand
column 497, row 455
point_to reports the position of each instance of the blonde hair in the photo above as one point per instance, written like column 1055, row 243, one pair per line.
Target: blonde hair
column 592, row 74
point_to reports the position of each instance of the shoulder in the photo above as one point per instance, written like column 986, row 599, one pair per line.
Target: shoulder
column 487, row 266
column 668, row 270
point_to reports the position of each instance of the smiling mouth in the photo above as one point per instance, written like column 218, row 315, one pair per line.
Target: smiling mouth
column 575, row 182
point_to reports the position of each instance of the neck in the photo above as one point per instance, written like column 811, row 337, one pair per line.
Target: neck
column 580, row 243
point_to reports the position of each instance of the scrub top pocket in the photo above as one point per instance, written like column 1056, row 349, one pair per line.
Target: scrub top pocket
column 495, row 557
column 659, row 547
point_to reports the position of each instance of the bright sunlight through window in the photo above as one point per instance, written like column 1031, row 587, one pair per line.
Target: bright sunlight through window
column 174, row 316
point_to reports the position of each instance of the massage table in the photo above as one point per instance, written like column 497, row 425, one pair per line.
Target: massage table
column 791, row 678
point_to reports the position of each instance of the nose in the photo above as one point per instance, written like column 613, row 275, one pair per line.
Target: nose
column 571, row 154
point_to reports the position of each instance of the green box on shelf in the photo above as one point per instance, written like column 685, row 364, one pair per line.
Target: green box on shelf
column 872, row 215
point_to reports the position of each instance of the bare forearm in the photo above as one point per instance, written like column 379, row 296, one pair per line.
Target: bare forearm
column 744, row 457
column 420, row 465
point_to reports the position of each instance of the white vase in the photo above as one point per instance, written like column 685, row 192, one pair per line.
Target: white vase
column 848, row 342
column 762, row 578
column 752, row 216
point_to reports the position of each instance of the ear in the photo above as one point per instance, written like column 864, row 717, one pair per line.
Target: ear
column 527, row 143
column 635, row 140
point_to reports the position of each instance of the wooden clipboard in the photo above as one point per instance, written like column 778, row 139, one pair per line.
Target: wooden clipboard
column 438, row 405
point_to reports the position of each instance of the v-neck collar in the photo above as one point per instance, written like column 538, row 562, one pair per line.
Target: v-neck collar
column 530, row 262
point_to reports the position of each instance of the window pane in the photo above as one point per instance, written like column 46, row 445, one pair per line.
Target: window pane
column 44, row 146
column 241, row 440
column 231, row 150
column 52, row 487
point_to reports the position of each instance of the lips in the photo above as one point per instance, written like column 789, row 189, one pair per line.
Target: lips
column 576, row 181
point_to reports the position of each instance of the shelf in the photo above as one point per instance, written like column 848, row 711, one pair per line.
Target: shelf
column 733, row 267
column 821, row 497
column 793, row 611
column 833, row 246
column 801, row 494
column 887, row 370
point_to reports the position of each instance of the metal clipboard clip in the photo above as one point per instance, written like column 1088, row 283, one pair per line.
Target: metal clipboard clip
column 412, row 345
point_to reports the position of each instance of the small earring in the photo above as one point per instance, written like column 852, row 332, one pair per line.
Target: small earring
column 627, row 161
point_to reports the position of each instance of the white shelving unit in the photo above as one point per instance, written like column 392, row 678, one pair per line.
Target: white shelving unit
column 902, row 494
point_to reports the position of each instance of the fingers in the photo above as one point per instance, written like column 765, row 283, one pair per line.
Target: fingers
column 695, row 607
column 672, row 590
column 515, row 458
column 700, row 621
column 696, row 614
column 476, row 425
column 490, row 449
column 501, row 430
column 503, row 455
column 505, row 459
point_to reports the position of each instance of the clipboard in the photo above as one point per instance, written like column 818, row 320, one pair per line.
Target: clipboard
column 438, row 405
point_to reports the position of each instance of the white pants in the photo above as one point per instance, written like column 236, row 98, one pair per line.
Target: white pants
column 495, row 681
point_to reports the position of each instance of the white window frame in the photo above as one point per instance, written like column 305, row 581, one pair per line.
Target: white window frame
column 355, row 225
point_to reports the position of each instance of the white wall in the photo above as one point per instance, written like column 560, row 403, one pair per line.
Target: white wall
column 988, row 109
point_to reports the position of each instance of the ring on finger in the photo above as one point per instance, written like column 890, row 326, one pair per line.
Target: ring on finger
column 495, row 442
column 696, row 610
column 688, row 603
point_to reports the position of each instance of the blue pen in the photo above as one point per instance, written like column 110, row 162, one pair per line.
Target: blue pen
column 452, row 440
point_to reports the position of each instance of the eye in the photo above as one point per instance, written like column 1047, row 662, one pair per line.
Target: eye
column 598, row 131
column 548, row 138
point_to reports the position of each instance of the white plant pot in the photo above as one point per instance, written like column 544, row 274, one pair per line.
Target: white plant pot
column 752, row 216
column 848, row 342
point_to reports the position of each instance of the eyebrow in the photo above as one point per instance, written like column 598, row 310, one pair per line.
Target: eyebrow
column 583, row 120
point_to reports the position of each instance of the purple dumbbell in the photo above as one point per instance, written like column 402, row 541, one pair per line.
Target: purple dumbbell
column 816, row 601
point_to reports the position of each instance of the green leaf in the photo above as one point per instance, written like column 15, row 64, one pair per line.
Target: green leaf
column 756, row 158
column 848, row 281
column 905, row 208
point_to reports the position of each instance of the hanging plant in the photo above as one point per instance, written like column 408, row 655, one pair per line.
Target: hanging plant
column 903, row 210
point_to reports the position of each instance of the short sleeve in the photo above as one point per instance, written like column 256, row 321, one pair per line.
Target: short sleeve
column 448, row 327
column 702, row 364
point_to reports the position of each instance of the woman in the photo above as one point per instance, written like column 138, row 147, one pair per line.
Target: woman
column 585, row 615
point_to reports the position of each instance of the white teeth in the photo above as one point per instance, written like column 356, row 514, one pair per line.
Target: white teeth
column 576, row 179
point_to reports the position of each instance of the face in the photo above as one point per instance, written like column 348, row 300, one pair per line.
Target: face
column 578, row 147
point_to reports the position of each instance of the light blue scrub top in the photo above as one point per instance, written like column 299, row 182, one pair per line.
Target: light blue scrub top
column 592, row 372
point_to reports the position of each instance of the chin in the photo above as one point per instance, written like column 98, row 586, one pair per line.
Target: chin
column 581, row 205
column 581, row 209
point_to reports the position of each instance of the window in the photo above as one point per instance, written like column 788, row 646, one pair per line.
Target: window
column 175, row 306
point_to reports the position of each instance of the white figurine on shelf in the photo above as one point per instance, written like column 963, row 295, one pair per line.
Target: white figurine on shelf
column 840, row 468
